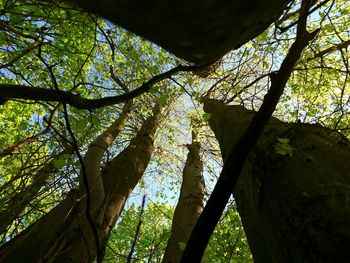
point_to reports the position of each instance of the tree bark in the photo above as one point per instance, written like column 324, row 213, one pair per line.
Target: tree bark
column 189, row 206
column 64, row 234
column 197, row 31
column 295, row 206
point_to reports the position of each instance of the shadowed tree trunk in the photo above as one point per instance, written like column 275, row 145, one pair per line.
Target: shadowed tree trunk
column 64, row 234
column 189, row 206
column 197, row 31
column 294, row 191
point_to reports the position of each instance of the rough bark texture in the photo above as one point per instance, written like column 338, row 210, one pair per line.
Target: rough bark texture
column 197, row 31
column 294, row 208
column 189, row 206
column 64, row 234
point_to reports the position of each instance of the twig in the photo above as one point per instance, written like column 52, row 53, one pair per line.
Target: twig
column 22, row 54
column 326, row 51
column 302, row 17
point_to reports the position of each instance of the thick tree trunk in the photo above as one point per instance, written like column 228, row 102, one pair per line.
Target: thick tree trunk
column 189, row 206
column 197, row 31
column 64, row 234
column 293, row 196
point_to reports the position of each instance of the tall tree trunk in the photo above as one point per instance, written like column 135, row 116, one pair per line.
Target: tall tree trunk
column 294, row 191
column 122, row 174
column 189, row 206
column 64, row 235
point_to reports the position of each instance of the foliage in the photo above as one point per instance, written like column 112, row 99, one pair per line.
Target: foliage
column 228, row 243
column 54, row 46
column 283, row 147
column 153, row 236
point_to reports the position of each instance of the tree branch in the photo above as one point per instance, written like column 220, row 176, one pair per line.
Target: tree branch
column 23, row 53
column 14, row 91
column 9, row 150
column 326, row 51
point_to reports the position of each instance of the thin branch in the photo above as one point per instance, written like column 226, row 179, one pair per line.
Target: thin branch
column 85, row 61
column 117, row 79
column 137, row 231
column 6, row 26
column 249, row 85
column 9, row 150
column 302, row 17
column 22, row 54
column 326, row 51
column 87, row 211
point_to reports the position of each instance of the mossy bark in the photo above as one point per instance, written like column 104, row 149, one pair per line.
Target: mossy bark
column 295, row 206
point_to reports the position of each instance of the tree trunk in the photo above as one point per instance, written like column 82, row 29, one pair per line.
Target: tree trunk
column 64, row 234
column 197, row 31
column 123, row 173
column 189, row 206
column 293, row 194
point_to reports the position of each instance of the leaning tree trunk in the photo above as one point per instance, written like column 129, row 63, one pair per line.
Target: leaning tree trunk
column 64, row 235
column 189, row 206
column 293, row 194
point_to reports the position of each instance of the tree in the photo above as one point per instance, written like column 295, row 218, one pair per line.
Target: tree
column 190, row 203
column 86, row 226
column 294, row 184
column 55, row 70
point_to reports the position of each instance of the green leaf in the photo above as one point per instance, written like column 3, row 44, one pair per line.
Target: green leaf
column 182, row 245
column 66, row 156
column 283, row 147
column 249, row 45
column 59, row 163
column 163, row 99
column 206, row 116
column 153, row 90
column 81, row 124
column 283, row 140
